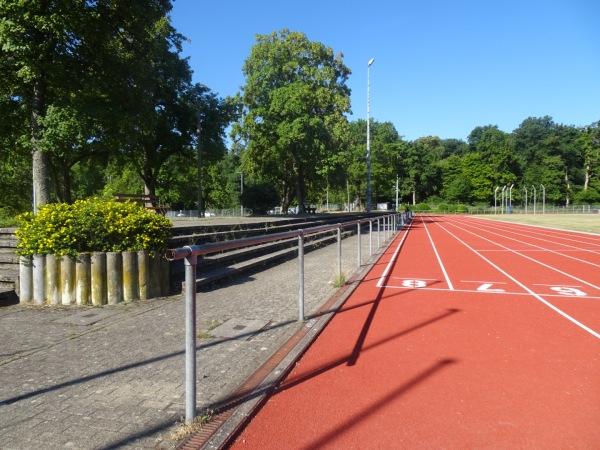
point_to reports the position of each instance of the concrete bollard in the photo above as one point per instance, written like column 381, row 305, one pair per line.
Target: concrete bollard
column 130, row 277
column 98, row 279
column 39, row 279
column 143, row 274
column 114, row 277
column 53, row 296
column 165, row 277
column 67, row 280
column 25, row 279
column 83, row 275
column 154, row 272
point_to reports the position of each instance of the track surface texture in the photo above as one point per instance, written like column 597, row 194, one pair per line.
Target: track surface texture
column 467, row 333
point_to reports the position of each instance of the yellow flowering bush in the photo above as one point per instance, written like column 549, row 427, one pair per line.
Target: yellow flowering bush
column 92, row 225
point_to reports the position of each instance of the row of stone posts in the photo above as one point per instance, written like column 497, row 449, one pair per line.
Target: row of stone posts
column 97, row 278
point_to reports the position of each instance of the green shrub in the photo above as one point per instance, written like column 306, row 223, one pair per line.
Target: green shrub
column 91, row 225
column 8, row 217
column 421, row 207
column 443, row 207
column 462, row 208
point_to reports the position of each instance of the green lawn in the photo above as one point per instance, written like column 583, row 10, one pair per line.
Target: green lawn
column 575, row 222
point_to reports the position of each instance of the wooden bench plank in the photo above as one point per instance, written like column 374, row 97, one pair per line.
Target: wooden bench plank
column 149, row 201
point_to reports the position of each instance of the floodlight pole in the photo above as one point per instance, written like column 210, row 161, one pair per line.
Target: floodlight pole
column 510, row 198
column 199, row 151
column 543, row 199
column 396, row 192
column 534, row 198
column 369, row 134
column 241, row 193
column 495, row 202
column 503, row 197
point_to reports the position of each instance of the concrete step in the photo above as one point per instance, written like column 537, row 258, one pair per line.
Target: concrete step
column 259, row 261
column 8, row 257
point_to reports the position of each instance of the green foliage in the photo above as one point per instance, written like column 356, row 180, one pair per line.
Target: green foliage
column 421, row 207
column 89, row 226
column 260, row 197
column 589, row 196
column 8, row 217
column 292, row 111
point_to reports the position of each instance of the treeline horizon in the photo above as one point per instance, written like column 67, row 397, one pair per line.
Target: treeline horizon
column 96, row 99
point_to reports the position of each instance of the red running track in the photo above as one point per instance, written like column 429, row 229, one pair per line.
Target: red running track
column 467, row 333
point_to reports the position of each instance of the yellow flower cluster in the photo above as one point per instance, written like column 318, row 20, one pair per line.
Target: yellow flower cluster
column 91, row 225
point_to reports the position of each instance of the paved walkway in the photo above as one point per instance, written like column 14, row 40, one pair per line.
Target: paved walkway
column 114, row 377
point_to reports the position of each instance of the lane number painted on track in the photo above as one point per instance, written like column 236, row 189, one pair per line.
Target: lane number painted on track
column 573, row 292
column 414, row 283
column 486, row 287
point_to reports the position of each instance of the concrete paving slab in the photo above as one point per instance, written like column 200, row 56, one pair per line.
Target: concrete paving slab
column 238, row 328
column 87, row 317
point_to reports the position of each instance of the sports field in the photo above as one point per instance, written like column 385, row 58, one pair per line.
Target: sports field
column 575, row 222
column 466, row 333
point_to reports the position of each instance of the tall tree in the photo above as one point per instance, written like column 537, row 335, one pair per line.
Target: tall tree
column 294, row 103
column 422, row 171
column 589, row 144
column 71, row 59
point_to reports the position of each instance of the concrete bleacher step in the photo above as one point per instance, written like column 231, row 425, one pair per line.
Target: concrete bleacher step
column 9, row 263
column 259, row 260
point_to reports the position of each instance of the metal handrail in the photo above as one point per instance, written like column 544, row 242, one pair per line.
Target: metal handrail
column 214, row 247
column 190, row 254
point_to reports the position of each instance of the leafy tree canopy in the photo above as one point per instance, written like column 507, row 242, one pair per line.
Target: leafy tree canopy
column 293, row 110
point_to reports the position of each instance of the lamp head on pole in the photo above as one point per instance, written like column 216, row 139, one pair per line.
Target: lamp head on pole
column 370, row 62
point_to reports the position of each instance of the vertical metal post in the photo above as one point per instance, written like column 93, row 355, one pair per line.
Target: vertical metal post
column 190, row 337
column 199, row 151
column 385, row 228
column 378, row 232
column 301, row 276
column 339, row 250
column 543, row 199
column 370, row 238
column 359, row 243
column 369, row 135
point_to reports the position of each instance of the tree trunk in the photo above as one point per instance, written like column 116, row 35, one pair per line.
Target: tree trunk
column 300, row 188
column 588, row 173
column 568, row 183
column 286, row 197
column 41, row 171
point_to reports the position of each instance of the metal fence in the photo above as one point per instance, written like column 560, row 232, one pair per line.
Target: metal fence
column 386, row 224
column 193, row 213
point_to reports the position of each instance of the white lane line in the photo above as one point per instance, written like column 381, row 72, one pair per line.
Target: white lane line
column 564, row 235
column 538, row 297
column 482, row 282
column 394, row 257
column 537, row 247
column 558, row 239
column 438, row 257
column 474, row 291
column 525, row 256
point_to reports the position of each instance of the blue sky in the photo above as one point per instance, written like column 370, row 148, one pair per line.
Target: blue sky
column 441, row 68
